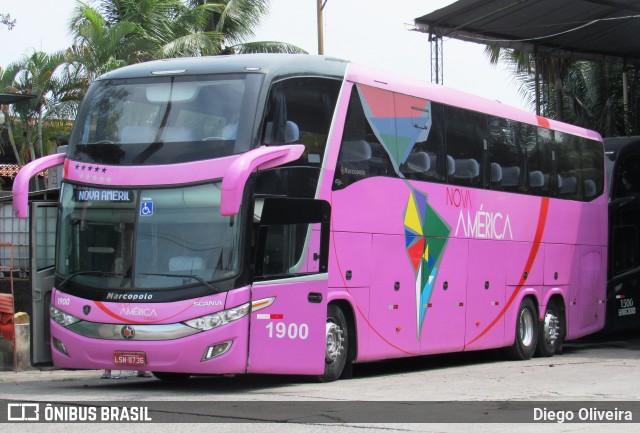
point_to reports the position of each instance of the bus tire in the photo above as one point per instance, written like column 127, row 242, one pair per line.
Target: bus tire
column 174, row 377
column 336, row 349
column 526, row 332
column 551, row 332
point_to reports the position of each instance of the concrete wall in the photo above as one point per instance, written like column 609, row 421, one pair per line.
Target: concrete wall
column 22, row 345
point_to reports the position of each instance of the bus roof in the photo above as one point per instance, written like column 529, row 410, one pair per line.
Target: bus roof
column 283, row 65
column 271, row 64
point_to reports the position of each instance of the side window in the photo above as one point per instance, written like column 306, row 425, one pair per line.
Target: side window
column 543, row 175
column 507, row 161
column 426, row 160
column 466, row 144
column 592, row 168
column 292, row 237
column 284, row 246
column 299, row 110
column 363, row 152
column 526, row 138
column 569, row 166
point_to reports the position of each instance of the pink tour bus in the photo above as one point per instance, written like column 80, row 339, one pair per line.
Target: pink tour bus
column 297, row 214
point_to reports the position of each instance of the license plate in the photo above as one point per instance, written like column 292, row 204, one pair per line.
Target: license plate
column 133, row 359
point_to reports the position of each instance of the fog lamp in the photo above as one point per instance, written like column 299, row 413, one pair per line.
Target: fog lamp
column 59, row 345
column 216, row 350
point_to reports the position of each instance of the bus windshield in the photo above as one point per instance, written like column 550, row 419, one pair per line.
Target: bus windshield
column 163, row 120
column 145, row 239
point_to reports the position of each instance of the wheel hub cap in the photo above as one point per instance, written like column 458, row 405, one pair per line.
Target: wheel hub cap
column 551, row 328
column 526, row 327
column 334, row 342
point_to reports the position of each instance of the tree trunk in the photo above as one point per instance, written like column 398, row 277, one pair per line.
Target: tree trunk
column 32, row 150
column 40, row 144
column 557, row 84
column 13, row 142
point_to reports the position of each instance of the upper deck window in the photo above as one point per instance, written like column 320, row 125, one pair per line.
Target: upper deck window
column 163, row 120
column 395, row 135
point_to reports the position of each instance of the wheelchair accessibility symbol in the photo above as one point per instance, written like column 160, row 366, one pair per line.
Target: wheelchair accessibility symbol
column 146, row 208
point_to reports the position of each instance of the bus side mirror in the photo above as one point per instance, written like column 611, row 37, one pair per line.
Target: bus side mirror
column 21, row 182
column 235, row 178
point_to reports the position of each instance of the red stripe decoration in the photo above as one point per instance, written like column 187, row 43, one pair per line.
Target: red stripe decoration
column 118, row 317
column 542, row 219
column 544, row 122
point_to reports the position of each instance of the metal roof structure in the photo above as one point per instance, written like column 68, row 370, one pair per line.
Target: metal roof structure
column 12, row 98
column 604, row 30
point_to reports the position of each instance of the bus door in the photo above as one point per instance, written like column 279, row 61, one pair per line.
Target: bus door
column 289, row 292
column 42, row 240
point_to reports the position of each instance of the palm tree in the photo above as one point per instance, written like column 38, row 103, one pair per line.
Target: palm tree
column 588, row 94
column 45, row 76
column 130, row 31
column 99, row 45
column 235, row 21
column 593, row 95
column 533, row 71
column 116, row 32
column 6, row 84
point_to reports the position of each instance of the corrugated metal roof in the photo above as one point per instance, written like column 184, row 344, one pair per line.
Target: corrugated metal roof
column 580, row 29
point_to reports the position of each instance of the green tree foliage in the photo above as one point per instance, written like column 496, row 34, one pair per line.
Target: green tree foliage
column 100, row 46
column 53, row 86
column 111, row 33
column 588, row 94
column 234, row 21
column 108, row 34
column 6, row 20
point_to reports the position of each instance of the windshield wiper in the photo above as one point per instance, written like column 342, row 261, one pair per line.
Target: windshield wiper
column 98, row 273
column 195, row 277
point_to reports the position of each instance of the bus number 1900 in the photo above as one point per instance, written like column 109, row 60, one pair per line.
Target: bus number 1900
column 291, row 331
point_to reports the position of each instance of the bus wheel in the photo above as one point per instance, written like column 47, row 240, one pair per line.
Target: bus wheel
column 526, row 332
column 335, row 357
column 171, row 376
column 550, row 332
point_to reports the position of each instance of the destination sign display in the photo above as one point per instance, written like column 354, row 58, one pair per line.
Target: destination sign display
column 110, row 195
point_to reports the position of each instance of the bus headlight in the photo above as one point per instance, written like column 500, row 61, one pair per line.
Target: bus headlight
column 210, row 321
column 62, row 318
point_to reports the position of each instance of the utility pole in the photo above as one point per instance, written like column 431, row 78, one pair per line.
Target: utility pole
column 320, row 6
